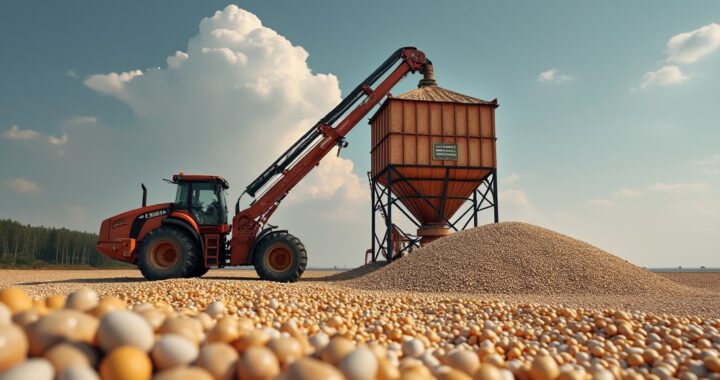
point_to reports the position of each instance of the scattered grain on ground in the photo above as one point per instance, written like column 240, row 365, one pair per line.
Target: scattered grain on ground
column 229, row 325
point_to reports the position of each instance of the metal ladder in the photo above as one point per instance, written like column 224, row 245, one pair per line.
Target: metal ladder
column 212, row 249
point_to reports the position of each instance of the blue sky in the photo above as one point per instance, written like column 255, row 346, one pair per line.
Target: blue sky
column 608, row 124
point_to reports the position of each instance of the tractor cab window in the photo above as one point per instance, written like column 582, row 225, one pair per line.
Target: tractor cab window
column 204, row 200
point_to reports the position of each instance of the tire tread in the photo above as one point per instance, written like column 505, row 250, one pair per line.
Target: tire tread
column 188, row 254
column 293, row 274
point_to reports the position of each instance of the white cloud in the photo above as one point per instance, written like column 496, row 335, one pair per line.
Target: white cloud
column 684, row 48
column 510, row 180
column 627, row 193
column 710, row 166
column 232, row 57
column 553, row 75
column 235, row 99
column 80, row 120
column 599, row 202
column 516, row 204
column 112, row 84
column 18, row 134
column 15, row 133
column 514, row 196
column 333, row 175
column 22, row 186
column 58, row 141
column 175, row 61
column 665, row 76
column 513, row 199
column 691, row 46
column 71, row 74
column 681, row 188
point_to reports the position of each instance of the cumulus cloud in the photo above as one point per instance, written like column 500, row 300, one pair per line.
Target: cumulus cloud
column 516, row 204
column 58, row 141
column 665, row 76
column 112, row 84
column 18, row 134
column 691, row 46
column 175, row 61
column 74, row 121
column 554, row 76
column 15, row 133
column 71, row 74
column 514, row 197
column 333, row 176
column 22, row 186
column 231, row 102
column 510, row 180
column 684, row 48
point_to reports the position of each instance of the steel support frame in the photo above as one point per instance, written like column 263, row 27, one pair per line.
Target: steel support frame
column 383, row 200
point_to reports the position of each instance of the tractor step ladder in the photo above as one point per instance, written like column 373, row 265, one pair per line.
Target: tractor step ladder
column 212, row 249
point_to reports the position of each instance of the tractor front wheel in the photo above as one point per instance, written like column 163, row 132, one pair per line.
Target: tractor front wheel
column 165, row 253
column 280, row 257
column 199, row 270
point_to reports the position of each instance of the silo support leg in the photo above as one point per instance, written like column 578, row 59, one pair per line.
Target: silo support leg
column 496, row 202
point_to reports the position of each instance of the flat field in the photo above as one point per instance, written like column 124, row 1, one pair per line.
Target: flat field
column 234, row 285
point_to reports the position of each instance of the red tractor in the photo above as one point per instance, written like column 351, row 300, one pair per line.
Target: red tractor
column 191, row 235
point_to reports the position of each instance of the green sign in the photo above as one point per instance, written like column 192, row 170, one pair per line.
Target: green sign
column 445, row 152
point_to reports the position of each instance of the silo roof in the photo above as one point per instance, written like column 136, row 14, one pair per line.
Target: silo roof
column 435, row 93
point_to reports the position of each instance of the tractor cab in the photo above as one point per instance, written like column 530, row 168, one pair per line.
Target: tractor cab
column 203, row 197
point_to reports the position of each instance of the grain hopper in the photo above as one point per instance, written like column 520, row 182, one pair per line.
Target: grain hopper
column 434, row 161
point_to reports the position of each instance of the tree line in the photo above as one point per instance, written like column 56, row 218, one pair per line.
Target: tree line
column 26, row 245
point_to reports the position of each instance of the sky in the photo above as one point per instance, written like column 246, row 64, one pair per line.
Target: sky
column 608, row 125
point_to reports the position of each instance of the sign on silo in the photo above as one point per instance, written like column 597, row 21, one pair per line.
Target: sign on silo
column 445, row 152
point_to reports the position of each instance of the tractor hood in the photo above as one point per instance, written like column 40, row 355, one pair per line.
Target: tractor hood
column 118, row 234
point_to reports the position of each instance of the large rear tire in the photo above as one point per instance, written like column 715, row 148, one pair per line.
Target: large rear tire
column 167, row 252
column 280, row 257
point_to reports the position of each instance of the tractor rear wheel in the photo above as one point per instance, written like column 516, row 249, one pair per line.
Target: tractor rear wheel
column 280, row 257
column 167, row 252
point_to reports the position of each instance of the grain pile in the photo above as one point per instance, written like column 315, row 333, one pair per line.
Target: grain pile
column 517, row 258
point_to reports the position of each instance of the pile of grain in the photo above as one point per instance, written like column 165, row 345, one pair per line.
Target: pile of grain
column 516, row 258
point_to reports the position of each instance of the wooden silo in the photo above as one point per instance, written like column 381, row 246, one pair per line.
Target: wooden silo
column 432, row 151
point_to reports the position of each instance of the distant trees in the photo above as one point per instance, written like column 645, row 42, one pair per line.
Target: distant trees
column 25, row 245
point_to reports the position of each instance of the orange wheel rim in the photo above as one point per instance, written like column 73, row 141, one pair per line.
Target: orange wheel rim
column 164, row 254
column 279, row 258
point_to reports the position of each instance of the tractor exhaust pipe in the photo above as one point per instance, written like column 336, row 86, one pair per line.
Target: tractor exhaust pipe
column 144, row 203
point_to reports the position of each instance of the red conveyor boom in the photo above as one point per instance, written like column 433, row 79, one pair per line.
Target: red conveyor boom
column 307, row 153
